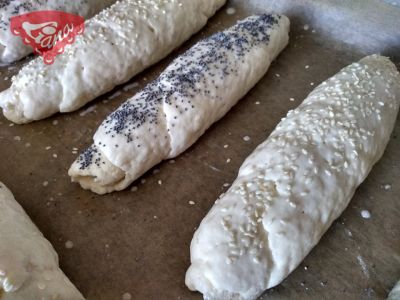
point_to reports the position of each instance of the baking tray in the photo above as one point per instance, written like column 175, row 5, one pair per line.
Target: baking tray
column 137, row 241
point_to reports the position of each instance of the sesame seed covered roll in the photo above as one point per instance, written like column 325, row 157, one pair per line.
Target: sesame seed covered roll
column 295, row 184
column 117, row 44
column 29, row 267
column 171, row 113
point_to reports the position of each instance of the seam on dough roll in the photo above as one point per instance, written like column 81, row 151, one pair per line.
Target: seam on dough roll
column 117, row 44
column 29, row 267
column 295, row 184
column 171, row 113
column 11, row 47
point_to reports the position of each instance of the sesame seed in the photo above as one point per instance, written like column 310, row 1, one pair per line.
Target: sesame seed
column 126, row 296
column 365, row 214
column 69, row 244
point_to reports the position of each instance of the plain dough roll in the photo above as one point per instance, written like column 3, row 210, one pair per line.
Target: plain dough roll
column 117, row 44
column 11, row 47
column 296, row 183
column 29, row 266
column 172, row 112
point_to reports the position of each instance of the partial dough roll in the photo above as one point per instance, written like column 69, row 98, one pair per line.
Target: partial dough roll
column 118, row 43
column 11, row 47
column 395, row 293
column 296, row 183
column 28, row 263
column 172, row 112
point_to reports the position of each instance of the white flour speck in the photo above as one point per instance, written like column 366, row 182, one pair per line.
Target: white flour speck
column 88, row 110
column 312, row 83
column 231, row 11
column 387, row 187
column 257, row 103
column 363, row 265
column 226, row 184
column 45, row 183
column 160, row 182
column 291, row 99
column 131, row 86
column 69, row 244
column 55, row 155
column 348, row 232
column 365, row 214
column 126, row 296
column 277, row 75
column 48, row 148
column 228, row 160
column 306, row 27
column 307, row 67
column 213, row 168
column 192, row 202
column 246, row 138
column 115, row 95
column 226, row 146
column 17, row 138
column 55, row 122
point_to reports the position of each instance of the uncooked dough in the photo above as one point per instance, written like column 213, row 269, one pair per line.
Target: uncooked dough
column 29, row 266
column 395, row 293
column 295, row 184
column 117, row 44
column 172, row 112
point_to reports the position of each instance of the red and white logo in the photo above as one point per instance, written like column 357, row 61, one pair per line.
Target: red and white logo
column 47, row 32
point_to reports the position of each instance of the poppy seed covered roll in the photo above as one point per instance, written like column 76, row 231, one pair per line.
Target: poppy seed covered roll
column 171, row 113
